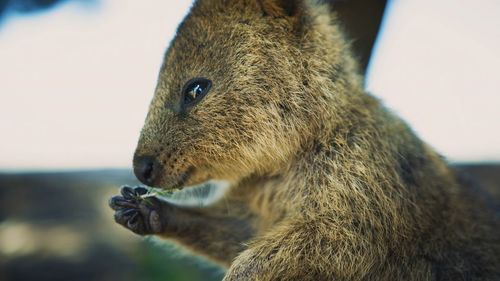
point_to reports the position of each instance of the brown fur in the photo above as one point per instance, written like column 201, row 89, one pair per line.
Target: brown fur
column 326, row 183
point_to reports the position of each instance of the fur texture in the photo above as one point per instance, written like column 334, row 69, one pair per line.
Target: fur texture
column 326, row 183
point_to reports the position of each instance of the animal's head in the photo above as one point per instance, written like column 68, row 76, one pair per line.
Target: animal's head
column 238, row 92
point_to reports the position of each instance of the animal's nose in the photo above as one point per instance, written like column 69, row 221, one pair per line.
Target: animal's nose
column 146, row 169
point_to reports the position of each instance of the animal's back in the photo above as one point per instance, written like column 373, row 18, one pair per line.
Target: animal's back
column 482, row 180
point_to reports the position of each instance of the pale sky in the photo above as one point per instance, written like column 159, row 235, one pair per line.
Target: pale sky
column 76, row 83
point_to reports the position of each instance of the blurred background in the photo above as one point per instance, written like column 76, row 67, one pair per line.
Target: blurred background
column 76, row 78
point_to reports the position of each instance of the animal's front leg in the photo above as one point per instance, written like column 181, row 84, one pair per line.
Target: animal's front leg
column 209, row 231
column 251, row 265
column 308, row 250
column 279, row 255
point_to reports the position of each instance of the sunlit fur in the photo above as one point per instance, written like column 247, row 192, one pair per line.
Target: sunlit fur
column 326, row 183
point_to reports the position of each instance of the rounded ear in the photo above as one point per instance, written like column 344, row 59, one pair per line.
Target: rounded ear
column 282, row 8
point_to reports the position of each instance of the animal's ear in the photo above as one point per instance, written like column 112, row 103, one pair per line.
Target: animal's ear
column 281, row 8
column 360, row 20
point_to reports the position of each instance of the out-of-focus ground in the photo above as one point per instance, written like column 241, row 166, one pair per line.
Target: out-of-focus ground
column 57, row 226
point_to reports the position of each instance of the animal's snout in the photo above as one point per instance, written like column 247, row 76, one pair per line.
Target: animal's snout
column 147, row 169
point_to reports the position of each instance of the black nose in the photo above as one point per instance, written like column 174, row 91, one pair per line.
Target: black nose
column 146, row 169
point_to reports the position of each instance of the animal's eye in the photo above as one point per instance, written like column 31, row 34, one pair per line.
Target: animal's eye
column 194, row 90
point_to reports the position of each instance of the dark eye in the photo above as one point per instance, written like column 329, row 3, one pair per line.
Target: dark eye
column 194, row 90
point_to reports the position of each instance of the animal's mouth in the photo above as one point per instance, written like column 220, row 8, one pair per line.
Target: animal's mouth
column 179, row 182
column 161, row 175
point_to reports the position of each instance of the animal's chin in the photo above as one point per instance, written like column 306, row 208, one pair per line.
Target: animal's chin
column 184, row 185
column 181, row 181
column 176, row 191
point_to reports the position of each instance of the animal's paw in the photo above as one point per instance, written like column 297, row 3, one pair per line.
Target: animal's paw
column 137, row 211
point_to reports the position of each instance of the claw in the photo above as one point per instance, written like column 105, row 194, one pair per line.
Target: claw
column 118, row 202
column 128, row 192
column 140, row 191
column 122, row 216
column 119, row 218
column 130, row 212
column 134, row 223
column 133, row 219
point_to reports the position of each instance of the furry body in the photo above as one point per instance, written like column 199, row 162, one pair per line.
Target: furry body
column 325, row 183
